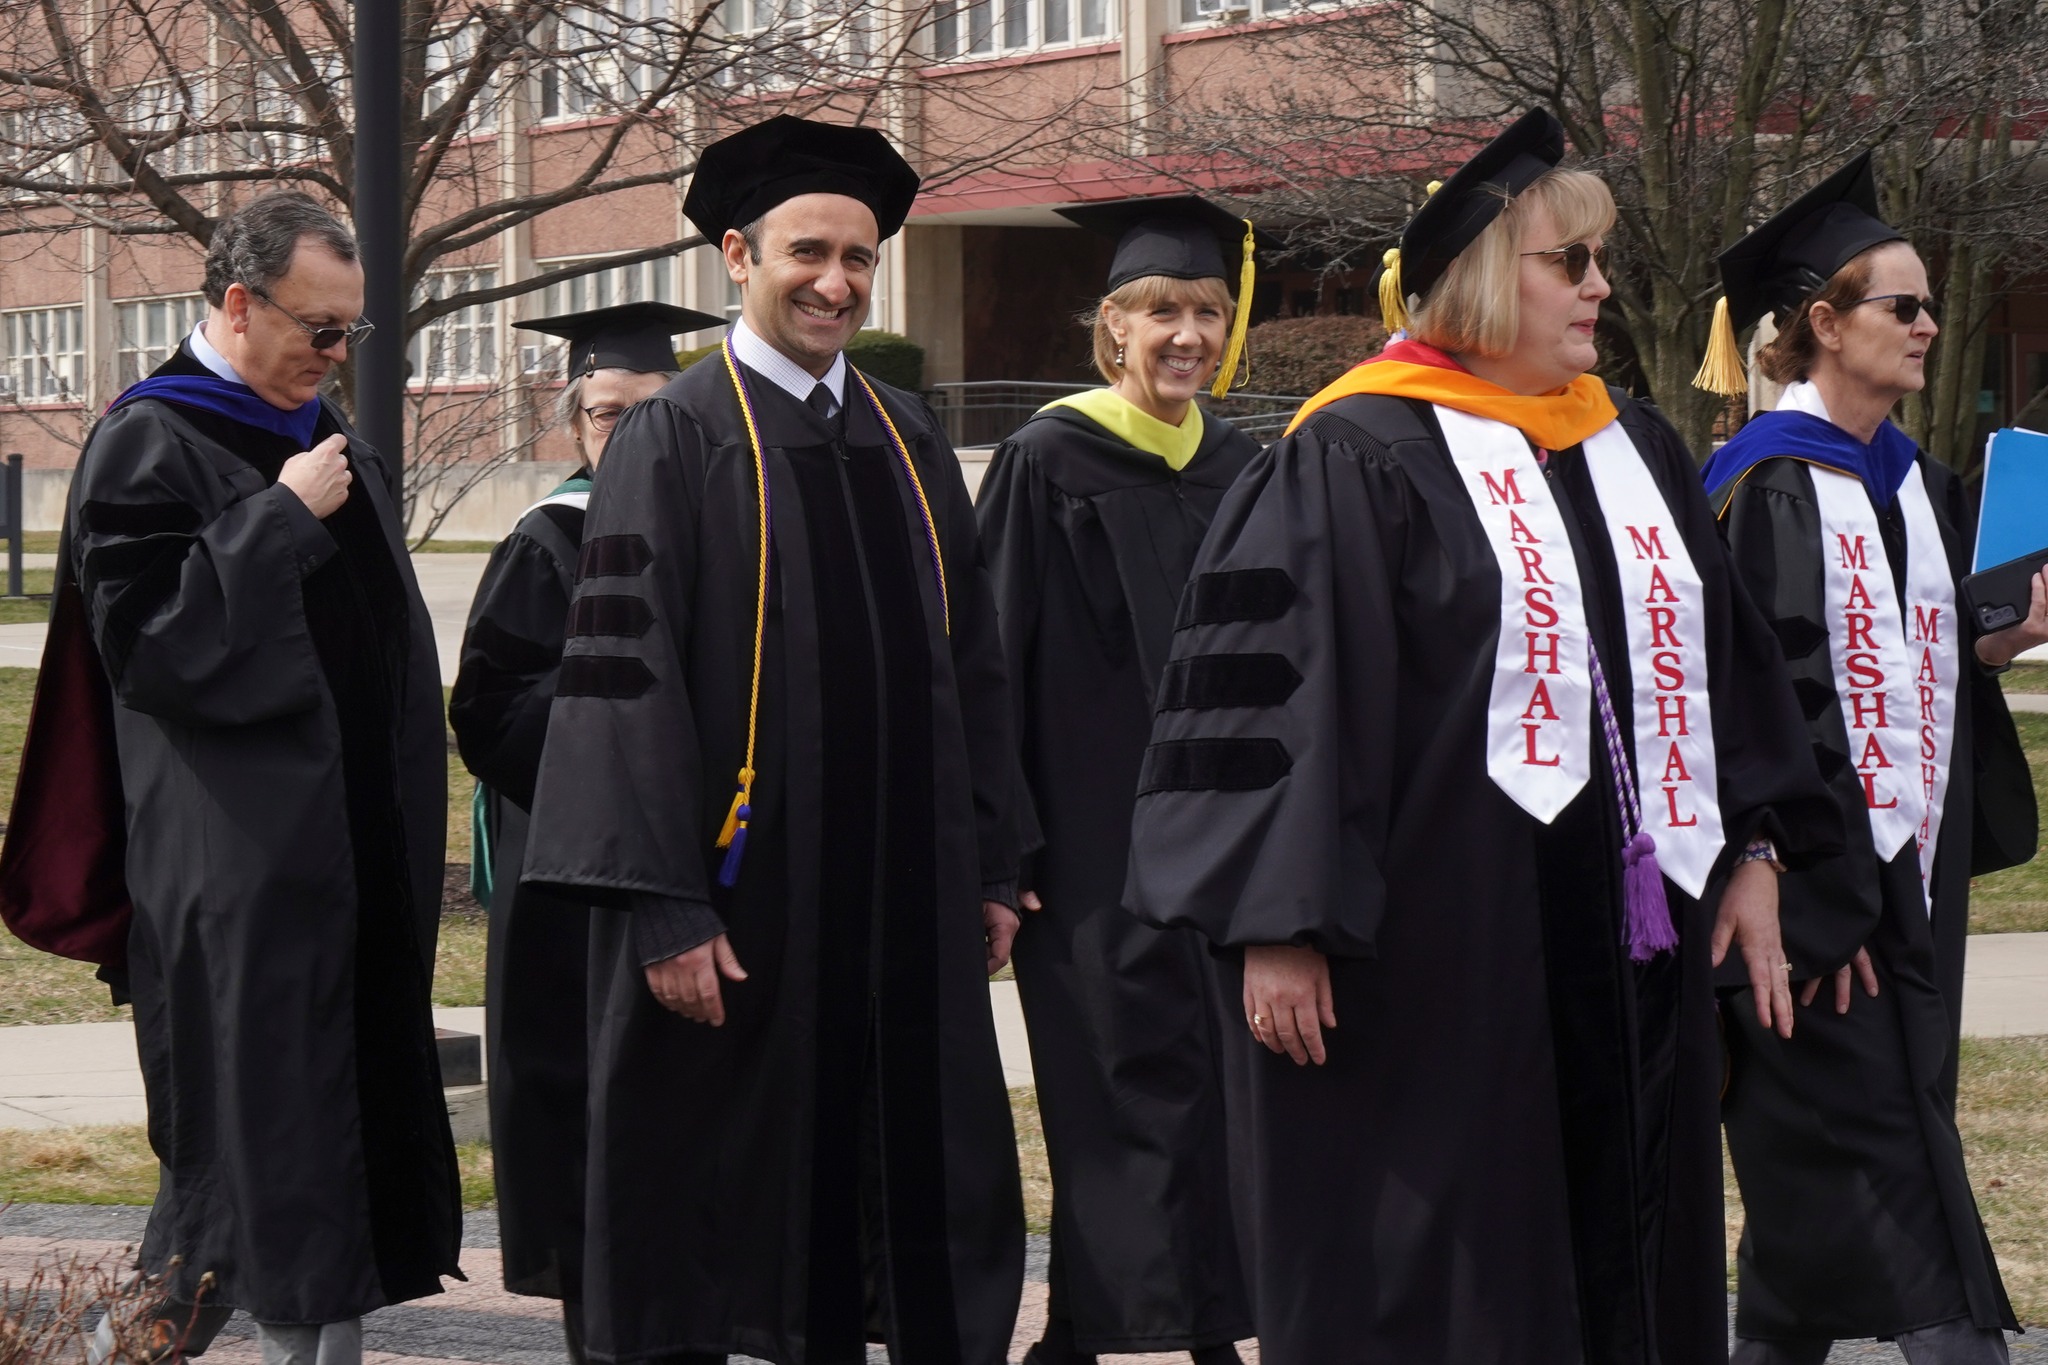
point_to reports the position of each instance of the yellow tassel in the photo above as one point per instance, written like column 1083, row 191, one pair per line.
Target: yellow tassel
column 1234, row 352
column 1393, row 303
column 1722, row 371
column 732, row 817
column 1435, row 185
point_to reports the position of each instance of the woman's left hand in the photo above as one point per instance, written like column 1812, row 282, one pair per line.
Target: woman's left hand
column 1749, row 916
column 2001, row 647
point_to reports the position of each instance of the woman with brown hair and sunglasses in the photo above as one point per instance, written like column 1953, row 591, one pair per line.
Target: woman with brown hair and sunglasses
column 1861, row 1221
column 1464, row 735
column 511, row 652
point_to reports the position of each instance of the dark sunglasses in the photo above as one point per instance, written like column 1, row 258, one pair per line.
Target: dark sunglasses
column 322, row 338
column 1905, row 307
column 602, row 419
column 1576, row 258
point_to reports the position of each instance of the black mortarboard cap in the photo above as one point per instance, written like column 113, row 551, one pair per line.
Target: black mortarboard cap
column 1795, row 253
column 631, row 336
column 1182, row 236
column 1462, row 207
column 741, row 177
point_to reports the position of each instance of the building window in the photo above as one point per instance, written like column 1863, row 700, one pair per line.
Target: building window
column 150, row 332
column 274, row 99
column 448, row 62
column 42, row 142
column 968, row 29
column 605, row 59
column 151, row 111
column 1197, row 13
column 459, row 347
column 42, row 355
column 642, row 282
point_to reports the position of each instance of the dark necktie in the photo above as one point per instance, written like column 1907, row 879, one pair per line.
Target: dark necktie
column 822, row 402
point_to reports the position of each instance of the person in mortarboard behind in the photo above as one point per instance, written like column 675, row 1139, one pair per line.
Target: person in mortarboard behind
column 1480, row 758
column 1860, row 1217
column 511, row 652
column 780, row 744
column 1091, row 514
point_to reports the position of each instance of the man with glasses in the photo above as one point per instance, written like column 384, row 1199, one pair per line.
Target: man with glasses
column 258, row 671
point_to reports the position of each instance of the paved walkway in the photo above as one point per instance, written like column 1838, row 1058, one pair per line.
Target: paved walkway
column 447, row 582
column 71, row 1075
column 479, row 1322
column 64, row 1075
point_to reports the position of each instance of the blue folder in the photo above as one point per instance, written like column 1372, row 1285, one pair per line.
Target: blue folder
column 2013, row 519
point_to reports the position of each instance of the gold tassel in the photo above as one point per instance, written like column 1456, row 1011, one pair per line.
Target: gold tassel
column 1234, row 352
column 1393, row 303
column 1722, row 371
column 732, row 816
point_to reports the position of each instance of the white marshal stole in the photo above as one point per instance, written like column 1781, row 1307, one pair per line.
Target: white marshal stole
column 1896, row 663
column 1540, row 709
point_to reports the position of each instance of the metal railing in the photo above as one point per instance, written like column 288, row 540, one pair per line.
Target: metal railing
column 984, row 412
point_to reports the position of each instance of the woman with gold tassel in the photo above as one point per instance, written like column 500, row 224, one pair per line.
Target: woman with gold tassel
column 1090, row 517
column 1861, row 1221
column 1475, row 761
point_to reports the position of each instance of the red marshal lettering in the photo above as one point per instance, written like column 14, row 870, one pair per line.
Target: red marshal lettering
column 1502, row 491
column 1529, row 729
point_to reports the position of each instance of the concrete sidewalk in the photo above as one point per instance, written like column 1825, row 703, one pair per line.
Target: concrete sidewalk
column 71, row 1075
column 447, row 582
column 64, row 1075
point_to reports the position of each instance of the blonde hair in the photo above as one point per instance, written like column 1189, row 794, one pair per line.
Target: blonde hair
column 1142, row 295
column 1476, row 306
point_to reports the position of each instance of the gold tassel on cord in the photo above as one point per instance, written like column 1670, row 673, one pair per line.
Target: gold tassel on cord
column 1393, row 303
column 1234, row 352
column 1722, row 371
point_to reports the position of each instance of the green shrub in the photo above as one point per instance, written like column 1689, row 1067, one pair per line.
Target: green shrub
column 888, row 357
column 1301, row 355
column 883, row 355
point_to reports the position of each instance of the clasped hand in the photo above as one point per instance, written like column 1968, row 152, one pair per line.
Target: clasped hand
column 688, row 983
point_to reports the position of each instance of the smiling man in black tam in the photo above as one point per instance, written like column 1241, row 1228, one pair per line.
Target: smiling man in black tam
column 779, row 759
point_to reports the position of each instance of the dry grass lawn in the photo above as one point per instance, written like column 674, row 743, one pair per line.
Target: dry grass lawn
column 2002, row 1110
column 2015, row 901
column 114, row 1165
column 2027, row 678
column 1031, row 1157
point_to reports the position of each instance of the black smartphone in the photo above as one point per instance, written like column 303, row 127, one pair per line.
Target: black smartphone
column 2001, row 595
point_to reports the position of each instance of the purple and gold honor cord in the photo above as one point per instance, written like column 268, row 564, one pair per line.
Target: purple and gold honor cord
column 1647, row 913
column 732, row 836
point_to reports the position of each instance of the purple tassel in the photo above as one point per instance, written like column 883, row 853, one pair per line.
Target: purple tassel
column 1649, row 915
column 729, row 872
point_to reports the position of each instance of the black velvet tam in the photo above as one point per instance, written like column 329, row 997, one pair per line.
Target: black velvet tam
column 1452, row 218
column 1183, row 236
column 741, row 177
column 1775, row 268
column 631, row 336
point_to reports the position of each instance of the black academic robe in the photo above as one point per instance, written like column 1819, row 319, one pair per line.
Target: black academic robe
column 854, row 1095
column 1091, row 541
column 535, row 995
column 1860, row 1216
column 1511, row 1154
column 277, row 712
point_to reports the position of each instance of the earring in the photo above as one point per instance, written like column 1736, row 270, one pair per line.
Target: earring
column 1119, row 354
